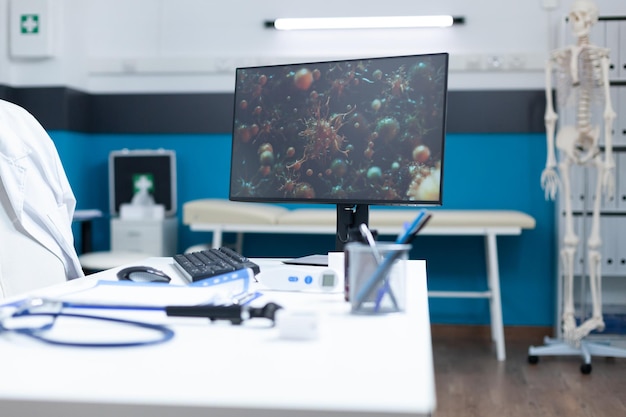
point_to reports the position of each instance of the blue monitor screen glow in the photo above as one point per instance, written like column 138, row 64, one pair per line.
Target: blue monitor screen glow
column 351, row 133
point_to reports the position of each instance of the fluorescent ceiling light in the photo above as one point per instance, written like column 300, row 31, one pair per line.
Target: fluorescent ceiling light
column 363, row 22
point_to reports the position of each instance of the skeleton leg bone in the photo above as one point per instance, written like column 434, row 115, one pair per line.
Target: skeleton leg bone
column 568, row 252
column 595, row 322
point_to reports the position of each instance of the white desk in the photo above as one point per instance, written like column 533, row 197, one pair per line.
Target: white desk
column 359, row 365
column 220, row 216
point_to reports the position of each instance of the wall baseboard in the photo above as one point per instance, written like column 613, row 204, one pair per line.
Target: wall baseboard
column 531, row 334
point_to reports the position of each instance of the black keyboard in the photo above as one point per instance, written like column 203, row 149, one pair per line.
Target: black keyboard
column 211, row 262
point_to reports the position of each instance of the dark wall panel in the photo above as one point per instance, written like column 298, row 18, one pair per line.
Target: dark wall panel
column 161, row 113
column 496, row 111
column 61, row 108
column 56, row 108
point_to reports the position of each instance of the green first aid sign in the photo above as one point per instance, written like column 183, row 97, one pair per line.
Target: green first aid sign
column 31, row 32
column 143, row 182
column 29, row 24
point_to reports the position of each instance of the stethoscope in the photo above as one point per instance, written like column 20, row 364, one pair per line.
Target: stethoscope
column 51, row 309
column 236, row 313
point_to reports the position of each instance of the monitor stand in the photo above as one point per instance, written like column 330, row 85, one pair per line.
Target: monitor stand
column 309, row 260
column 349, row 217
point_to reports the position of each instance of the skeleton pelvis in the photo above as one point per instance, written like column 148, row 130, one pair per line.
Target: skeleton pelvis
column 579, row 145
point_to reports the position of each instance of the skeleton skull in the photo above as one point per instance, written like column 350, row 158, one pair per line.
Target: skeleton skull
column 583, row 15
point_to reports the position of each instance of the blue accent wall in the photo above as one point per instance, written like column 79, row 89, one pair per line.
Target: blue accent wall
column 481, row 171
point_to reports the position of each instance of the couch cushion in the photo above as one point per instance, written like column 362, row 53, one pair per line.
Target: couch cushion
column 219, row 211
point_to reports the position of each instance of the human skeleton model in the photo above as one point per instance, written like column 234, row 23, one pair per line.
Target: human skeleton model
column 582, row 76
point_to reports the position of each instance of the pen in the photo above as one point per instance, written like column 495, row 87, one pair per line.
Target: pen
column 386, row 288
column 365, row 231
column 409, row 232
column 419, row 227
column 379, row 274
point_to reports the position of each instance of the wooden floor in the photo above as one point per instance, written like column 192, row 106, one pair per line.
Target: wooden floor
column 470, row 381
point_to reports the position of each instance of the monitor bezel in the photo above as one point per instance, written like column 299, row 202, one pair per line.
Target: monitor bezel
column 351, row 201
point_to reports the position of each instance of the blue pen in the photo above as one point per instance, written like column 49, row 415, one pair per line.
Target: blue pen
column 425, row 220
column 409, row 232
column 378, row 276
column 380, row 272
column 386, row 288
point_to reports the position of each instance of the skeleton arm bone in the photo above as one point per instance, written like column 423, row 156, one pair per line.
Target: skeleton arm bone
column 549, row 176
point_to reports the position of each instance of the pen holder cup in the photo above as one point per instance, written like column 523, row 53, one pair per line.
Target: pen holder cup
column 377, row 280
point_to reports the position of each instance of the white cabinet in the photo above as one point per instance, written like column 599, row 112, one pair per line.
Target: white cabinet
column 608, row 228
column 579, row 197
column 618, row 94
column 622, row 50
column 153, row 237
column 620, row 185
column 612, row 41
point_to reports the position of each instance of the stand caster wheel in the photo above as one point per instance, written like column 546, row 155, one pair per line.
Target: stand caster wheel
column 585, row 368
column 532, row 359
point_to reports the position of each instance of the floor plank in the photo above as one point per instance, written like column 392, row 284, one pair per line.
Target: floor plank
column 470, row 382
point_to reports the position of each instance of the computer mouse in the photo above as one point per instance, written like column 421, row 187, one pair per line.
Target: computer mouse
column 143, row 274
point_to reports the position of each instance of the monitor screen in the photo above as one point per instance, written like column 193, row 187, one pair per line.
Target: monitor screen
column 353, row 133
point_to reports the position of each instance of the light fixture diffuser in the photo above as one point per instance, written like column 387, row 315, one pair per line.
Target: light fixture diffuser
column 379, row 22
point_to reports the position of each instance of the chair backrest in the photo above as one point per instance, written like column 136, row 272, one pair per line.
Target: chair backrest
column 37, row 204
column 25, row 264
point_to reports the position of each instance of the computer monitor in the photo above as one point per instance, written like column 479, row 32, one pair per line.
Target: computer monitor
column 352, row 133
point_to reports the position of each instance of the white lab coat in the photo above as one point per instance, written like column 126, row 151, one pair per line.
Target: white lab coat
column 36, row 187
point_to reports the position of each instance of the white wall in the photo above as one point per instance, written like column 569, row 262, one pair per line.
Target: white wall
column 194, row 45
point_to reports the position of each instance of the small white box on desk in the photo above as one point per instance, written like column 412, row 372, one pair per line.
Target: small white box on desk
column 155, row 237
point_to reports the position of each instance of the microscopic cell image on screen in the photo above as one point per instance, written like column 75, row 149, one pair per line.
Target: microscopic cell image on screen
column 361, row 131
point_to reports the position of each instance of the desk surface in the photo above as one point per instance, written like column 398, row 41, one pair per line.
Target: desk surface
column 358, row 365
